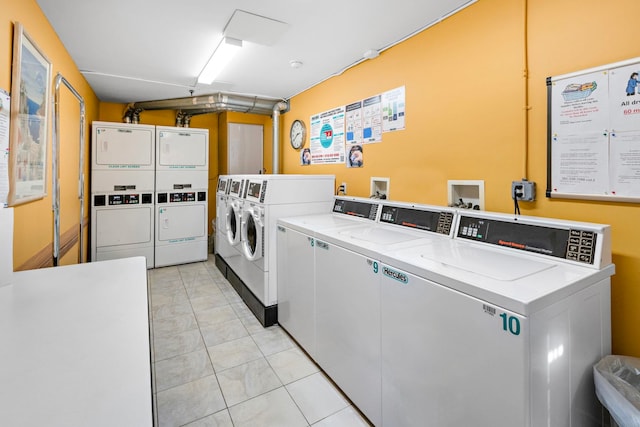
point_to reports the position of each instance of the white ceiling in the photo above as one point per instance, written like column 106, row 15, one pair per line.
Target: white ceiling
column 141, row 50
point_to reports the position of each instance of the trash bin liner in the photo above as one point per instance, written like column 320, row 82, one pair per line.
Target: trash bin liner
column 617, row 380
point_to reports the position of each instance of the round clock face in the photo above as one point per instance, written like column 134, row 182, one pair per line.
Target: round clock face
column 297, row 134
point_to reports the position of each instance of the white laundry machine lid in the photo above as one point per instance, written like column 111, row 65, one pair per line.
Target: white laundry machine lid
column 521, row 283
column 493, row 265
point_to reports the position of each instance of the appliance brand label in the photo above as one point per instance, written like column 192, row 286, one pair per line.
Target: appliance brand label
column 396, row 275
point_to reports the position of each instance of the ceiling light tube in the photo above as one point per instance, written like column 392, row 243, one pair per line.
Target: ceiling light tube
column 223, row 54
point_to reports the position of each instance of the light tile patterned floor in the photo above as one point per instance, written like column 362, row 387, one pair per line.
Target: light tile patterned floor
column 215, row 365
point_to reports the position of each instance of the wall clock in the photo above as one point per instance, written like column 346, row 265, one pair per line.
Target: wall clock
column 297, row 134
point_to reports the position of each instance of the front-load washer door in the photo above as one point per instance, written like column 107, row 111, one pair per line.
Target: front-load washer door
column 233, row 220
column 252, row 234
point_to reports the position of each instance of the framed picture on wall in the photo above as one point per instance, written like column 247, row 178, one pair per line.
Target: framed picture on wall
column 30, row 93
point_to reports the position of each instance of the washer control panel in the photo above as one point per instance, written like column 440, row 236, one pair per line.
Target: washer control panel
column 434, row 221
column 568, row 243
column 359, row 208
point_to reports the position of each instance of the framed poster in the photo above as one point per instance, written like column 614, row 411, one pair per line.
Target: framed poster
column 30, row 93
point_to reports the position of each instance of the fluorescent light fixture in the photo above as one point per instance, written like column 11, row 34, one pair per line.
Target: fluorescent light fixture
column 223, row 54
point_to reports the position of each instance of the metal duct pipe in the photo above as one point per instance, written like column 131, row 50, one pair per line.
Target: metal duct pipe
column 277, row 108
column 214, row 103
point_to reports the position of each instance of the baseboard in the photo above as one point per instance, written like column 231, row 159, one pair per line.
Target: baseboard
column 267, row 316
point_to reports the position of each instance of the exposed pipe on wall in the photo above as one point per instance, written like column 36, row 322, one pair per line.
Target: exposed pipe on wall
column 56, row 174
column 212, row 103
column 275, row 117
column 215, row 103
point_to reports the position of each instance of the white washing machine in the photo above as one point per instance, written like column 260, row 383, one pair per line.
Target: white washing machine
column 348, row 275
column 296, row 263
column 182, row 179
column 499, row 326
column 267, row 198
column 233, row 215
column 122, row 185
column 228, row 254
column 222, row 197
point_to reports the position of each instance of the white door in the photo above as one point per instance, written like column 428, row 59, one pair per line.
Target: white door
column 125, row 145
column 182, row 148
column 244, row 148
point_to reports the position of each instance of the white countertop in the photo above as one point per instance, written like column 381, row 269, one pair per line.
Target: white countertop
column 74, row 346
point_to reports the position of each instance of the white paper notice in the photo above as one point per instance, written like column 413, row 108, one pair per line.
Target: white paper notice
column 625, row 163
column 393, row 110
column 581, row 104
column 372, row 121
column 624, row 94
column 5, row 116
column 353, row 123
column 581, row 164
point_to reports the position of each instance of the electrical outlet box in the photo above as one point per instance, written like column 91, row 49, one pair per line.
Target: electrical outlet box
column 344, row 187
column 523, row 190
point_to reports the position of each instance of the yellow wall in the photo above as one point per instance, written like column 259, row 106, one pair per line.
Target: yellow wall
column 465, row 119
column 33, row 222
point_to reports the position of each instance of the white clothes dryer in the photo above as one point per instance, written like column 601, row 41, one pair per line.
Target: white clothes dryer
column 122, row 185
column 228, row 252
column 222, row 197
column 503, row 324
column 182, row 181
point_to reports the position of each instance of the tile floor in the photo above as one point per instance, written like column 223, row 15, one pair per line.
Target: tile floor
column 215, row 365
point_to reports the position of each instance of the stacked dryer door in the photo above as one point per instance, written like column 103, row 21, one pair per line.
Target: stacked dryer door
column 122, row 185
column 182, row 179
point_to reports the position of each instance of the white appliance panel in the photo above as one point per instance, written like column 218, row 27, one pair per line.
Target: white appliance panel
column 181, row 180
column 181, row 222
column 348, row 306
column 567, row 339
column 437, row 342
column 103, row 181
column 182, row 148
column 123, row 146
column 285, row 189
column 124, row 226
column 296, row 286
column 180, row 252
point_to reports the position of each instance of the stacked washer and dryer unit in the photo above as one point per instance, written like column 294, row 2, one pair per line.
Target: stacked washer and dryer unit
column 496, row 324
column 122, row 191
column 149, row 193
column 248, row 256
column 182, row 180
